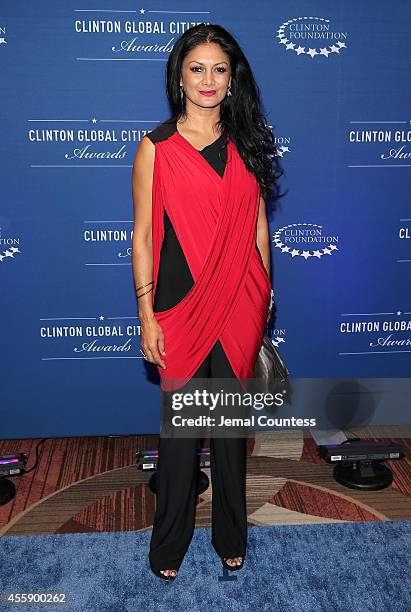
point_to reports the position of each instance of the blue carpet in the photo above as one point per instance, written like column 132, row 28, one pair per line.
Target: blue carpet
column 341, row 567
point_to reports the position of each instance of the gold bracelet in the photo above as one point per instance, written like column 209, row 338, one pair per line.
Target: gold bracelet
column 141, row 294
column 142, row 286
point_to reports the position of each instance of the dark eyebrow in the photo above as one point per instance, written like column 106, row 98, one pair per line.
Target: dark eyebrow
column 216, row 64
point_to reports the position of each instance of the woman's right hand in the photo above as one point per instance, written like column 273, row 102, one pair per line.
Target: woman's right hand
column 152, row 341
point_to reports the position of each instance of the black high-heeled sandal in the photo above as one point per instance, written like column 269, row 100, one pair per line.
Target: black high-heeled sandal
column 232, row 567
column 163, row 576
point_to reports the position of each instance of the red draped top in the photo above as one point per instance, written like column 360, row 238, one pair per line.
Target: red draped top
column 215, row 220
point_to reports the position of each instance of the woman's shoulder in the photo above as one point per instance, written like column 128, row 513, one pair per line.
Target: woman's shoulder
column 163, row 131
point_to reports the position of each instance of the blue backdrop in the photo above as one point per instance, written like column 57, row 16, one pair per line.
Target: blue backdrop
column 82, row 82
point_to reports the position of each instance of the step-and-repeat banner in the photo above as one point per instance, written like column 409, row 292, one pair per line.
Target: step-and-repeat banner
column 82, row 83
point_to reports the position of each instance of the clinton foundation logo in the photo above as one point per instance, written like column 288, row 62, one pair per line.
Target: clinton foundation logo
column 305, row 240
column 282, row 144
column 3, row 40
column 9, row 244
column 313, row 36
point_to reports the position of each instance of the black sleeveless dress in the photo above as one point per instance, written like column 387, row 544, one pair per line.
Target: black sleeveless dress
column 174, row 276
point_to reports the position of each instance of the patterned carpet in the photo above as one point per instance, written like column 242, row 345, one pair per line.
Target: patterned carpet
column 92, row 484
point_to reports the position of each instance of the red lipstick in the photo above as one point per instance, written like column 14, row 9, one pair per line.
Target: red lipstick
column 208, row 93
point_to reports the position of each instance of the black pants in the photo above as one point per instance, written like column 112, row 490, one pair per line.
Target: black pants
column 177, row 470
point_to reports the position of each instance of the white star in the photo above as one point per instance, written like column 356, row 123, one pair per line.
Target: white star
column 295, row 252
column 285, row 249
column 279, row 245
column 284, row 41
column 312, row 52
column 341, row 44
column 3, row 41
column 327, row 251
column 317, row 254
column 1, row 257
column 306, row 254
column 94, row 120
column 285, row 149
column 325, row 52
column 335, row 49
column 398, row 312
column 280, row 340
column 8, row 254
column 142, row 11
column 290, row 45
column 14, row 250
column 300, row 50
column 101, row 318
column 333, row 247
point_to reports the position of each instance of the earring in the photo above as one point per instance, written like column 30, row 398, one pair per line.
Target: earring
column 181, row 93
column 229, row 91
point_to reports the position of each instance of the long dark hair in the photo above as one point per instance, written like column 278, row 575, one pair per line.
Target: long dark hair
column 240, row 114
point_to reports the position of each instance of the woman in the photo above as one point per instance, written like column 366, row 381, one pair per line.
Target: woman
column 201, row 265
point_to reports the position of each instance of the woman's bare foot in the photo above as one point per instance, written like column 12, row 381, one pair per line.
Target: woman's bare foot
column 169, row 572
column 234, row 561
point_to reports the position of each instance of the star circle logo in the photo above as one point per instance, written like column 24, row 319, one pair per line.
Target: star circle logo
column 9, row 245
column 289, row 236
column 296, row 32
